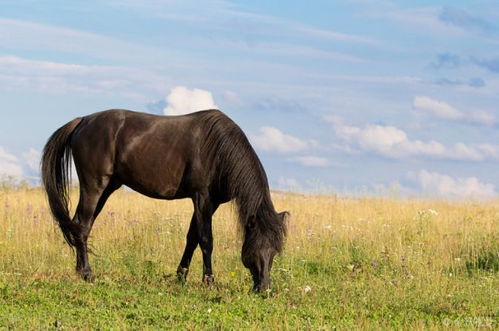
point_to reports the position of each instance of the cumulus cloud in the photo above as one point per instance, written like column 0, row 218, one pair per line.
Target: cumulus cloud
column 443, row 110
column 9, row 165
column 26, row 166
column 437, row 108
column 273, row 139
column 393, row 142
column 436, row 184
column 384, row 140
column 483, row 117
column 311, row 161
column 182, row 100
column 32, row 158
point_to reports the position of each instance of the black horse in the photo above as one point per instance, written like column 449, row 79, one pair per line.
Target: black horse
column 204, row 156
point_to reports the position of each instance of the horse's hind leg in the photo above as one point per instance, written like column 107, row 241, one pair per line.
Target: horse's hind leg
column 190, row 246
column 92, row 199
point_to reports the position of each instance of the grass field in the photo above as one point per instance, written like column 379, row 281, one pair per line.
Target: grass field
column 348, row 263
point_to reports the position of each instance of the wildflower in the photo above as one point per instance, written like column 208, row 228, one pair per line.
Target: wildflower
column 307, row 289
column 209, row 310
column 433, row 212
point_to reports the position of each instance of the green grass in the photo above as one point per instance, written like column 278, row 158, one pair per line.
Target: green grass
column 356, row 299
column 348, row 264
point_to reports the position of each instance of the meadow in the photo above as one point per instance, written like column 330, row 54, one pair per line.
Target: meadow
column 349, row 263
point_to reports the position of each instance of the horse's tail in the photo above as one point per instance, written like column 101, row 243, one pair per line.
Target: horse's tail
column 56, row 167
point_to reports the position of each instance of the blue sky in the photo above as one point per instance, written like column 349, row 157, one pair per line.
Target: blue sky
column 353, row 97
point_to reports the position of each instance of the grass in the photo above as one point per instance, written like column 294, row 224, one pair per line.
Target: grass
column 349, row 263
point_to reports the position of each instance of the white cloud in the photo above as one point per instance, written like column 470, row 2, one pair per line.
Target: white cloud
column 223, row 15
column 181, row 101
column 32, row 158
column 9, row 165
column 302, row 51
column 384, row 140
column 20, row 34
column 393, row 142
column 437, row 108
column 311, row 161
column 284, row 183
column 483, row 117
column 443, row 110
column 62, row 78
column 420, row 19
column 437, row 184
column 272, row 139
column 232, row 96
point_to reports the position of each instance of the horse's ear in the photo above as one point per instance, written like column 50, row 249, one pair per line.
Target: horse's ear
column 285, row 216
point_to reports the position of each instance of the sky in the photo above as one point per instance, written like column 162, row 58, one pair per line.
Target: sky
column 355, row 97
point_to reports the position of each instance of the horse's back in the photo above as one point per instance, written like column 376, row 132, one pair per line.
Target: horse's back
column 159, row 156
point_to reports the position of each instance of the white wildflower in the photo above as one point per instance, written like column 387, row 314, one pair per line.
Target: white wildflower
column 433, row 212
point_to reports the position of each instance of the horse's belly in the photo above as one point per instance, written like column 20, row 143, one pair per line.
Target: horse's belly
column 154, row 177
column 154, row 192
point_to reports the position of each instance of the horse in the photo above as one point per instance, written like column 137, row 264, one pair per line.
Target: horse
column 203, row 156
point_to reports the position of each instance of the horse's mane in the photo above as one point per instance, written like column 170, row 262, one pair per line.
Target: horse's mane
column 239, row 172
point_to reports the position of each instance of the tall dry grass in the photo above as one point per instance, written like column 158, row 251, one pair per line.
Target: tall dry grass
column 420, row 236
column 429, row 256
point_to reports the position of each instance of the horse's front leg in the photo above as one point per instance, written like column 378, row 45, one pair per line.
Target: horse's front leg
column 206, row 243
column 203, row 211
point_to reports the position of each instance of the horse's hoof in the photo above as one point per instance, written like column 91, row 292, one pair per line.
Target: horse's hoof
column 182, row 274
column 87, row 275
column 208, row 279
column 261, row 288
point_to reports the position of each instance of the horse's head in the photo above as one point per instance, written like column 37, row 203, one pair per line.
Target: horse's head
column 263, row 240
